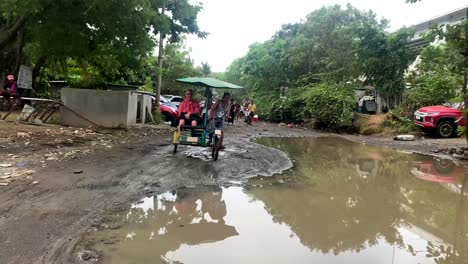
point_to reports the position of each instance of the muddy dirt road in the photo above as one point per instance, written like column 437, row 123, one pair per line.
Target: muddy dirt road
column 42, row 222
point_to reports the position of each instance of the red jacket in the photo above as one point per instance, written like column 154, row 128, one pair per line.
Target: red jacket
column 189, row 107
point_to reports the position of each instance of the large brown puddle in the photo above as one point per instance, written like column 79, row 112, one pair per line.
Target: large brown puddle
column 342, row 203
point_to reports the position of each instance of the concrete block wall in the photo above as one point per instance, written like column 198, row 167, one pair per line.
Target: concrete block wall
column 145, row 104
column 110, row 109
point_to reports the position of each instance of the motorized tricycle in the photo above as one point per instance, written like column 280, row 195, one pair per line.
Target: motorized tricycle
column 204, row 135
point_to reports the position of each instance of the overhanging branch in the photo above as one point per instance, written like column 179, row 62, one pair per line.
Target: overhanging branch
column 9, row 34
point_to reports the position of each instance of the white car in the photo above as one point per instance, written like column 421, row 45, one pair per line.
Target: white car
column 174, row 99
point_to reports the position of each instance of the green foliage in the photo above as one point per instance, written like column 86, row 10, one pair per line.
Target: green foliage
column 384, row 58
column 321, row 48
column 333, row 45
column 205, row 69
column 288, row 110
column 435, row 80
column 176, row 64
column 332, row 104
column 401, row 120
column 157, row 117
column 111, row 38
column 461, row 131
column 456, row 36
column 434, row 89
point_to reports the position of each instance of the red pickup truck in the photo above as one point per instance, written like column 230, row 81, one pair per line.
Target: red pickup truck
column 440, row 119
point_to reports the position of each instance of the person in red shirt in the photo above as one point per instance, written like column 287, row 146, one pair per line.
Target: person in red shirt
column 9, row 88
column 189, row 110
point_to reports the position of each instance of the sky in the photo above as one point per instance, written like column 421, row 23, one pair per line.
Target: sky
column 234, row 25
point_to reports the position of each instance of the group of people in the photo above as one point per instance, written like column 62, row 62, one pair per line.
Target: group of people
column 225, row 109
column 249, row 111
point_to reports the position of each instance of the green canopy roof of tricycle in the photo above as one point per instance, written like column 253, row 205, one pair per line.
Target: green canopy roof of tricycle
column 209, row 82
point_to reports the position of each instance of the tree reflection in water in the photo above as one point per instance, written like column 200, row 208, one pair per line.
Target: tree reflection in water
column 347, row 196
column 341, row 202
column 161, row 224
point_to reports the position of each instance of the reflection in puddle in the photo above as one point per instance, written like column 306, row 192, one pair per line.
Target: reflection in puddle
column 342, row 203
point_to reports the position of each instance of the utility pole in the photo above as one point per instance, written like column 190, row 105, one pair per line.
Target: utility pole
column 160, row 62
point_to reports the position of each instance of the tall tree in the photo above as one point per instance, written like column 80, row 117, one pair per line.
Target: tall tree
column 111, row 36
column 205, row 69
column 176, row 17
column 384, row 58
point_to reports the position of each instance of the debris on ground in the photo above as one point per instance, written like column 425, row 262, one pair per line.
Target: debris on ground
column 404, row 138
column 460, row 153
column 26, row 146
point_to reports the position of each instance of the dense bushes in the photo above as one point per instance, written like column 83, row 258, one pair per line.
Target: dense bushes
column 331, row 104
column 273, row 108
column 432, row 89
column 400, row 120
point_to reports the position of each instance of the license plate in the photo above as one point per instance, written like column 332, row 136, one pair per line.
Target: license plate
column 218, row 132
column 418, row 117
column 192, row 139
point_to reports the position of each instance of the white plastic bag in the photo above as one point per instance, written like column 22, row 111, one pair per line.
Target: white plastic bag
column 25, row 113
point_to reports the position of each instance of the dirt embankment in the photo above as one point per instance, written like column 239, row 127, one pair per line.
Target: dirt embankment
column 43, row 213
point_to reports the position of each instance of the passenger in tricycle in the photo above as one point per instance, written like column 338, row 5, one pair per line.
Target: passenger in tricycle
column 189, row 110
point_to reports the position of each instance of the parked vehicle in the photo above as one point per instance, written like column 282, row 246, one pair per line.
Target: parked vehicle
column 164, row 100
column 177, row 100
column 441, row 119
column 168, row 109
column 174, row 99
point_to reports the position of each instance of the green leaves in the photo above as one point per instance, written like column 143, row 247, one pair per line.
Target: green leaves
column 334, row 45
column 384, row 58
column 112, row 36
column 332, row 104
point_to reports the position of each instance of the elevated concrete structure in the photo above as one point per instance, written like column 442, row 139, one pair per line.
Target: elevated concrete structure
column 110, row 109
column 452, row 18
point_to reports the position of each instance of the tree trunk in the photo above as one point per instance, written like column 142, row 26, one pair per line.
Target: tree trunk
column 19, row 50
column 465, row 95
column 160, row 63
column 8, row 35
